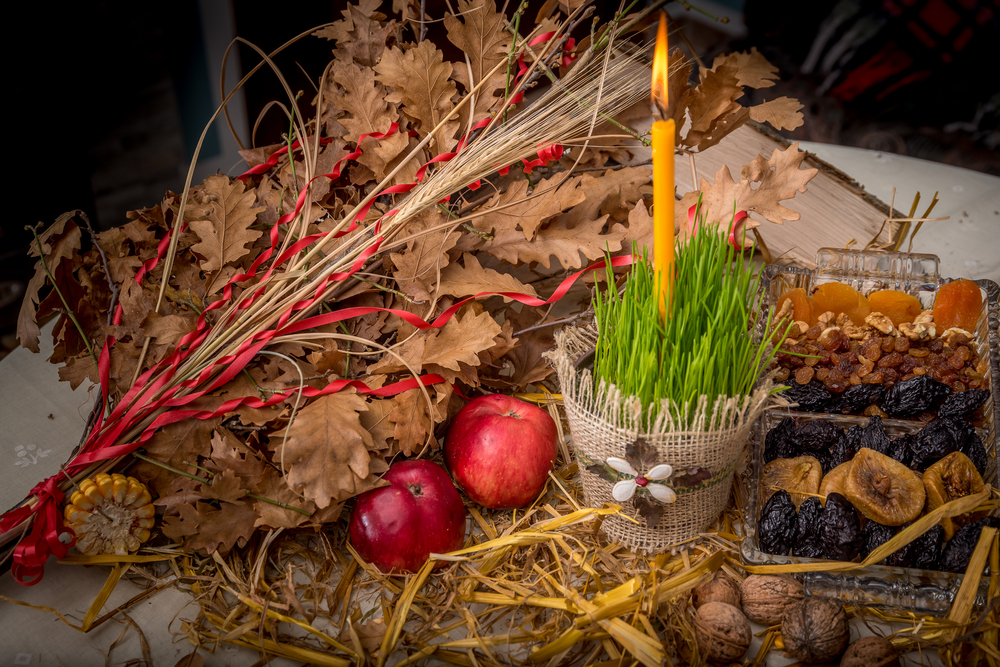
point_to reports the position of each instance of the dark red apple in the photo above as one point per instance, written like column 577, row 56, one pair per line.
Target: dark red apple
column 397, row 527
column 501, row 450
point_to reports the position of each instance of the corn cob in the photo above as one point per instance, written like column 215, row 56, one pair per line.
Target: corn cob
column 110, row 514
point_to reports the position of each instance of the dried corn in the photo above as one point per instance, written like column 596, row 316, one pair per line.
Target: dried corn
column 110, row 514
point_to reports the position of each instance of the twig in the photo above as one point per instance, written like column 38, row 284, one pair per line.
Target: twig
column 423, row 26
column 104, row 263
column 553, row 323
column 208, row 481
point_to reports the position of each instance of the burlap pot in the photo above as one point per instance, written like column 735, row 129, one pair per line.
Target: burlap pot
column 602, row 423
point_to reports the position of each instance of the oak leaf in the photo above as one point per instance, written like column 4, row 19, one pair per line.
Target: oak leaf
column 225, row 486
column 783, row 113
column 421, row 81
column 612, row 193
column 714, row 98
column 204, row 528
column 557, row 240
column 325, row 449
column 516, row 207
column 273, row 487
column 639, row 230
column 225, row 228
column 426, row 252
column 528, row 365
column 472, row 278
column 168, row 329
column 481, row 35
column 376, row 421
column 752, row 68
column 60, row 242
column 411, row 420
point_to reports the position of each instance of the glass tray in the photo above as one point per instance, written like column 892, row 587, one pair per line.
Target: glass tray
column 925, row 591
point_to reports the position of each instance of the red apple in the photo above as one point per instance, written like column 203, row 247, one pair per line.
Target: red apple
column 397, row 527
column 501, row 450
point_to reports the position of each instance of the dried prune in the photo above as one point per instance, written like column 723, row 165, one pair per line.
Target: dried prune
column 840, row 529
column 846, row 446
column 778, row 524
column 945, row 435
column 874, row 535
column 901, row 449
column 856, row 398
column 957, row 552
column 961, row 404
column 817, row 434
column 875, row 437
column 779, row 442
column 911, row 397
column 812, row 397
column 927, row 549
column 808, row 542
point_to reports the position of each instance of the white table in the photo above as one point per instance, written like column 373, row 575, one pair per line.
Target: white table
column 968, row 245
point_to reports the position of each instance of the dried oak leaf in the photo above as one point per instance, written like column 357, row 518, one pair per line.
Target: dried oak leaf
column 515, row 208
column 325, row 450
column 412, row 421
column 714, row 98
column 752, row 69
column 166, row 330
column 783, row 113
column 472, row 278
column 557, row 239
column 273, row 487
column 364, row 15
column 360, row 34
column 422, row 83
column 225, row 212
column 174, row 444
column 426, row 252
column 203, row 528
column 639, row 230
column 225, row 486
column 364, row 99
column 528, row 365
column 612, row 193
column 481, row 35
column 60, row 242
column 377, row 422
column 763, row 185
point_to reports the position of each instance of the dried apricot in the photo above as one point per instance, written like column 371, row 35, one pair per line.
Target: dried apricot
column 839, row 298
column 958, row 304
column 800, row 304
column 898, row 306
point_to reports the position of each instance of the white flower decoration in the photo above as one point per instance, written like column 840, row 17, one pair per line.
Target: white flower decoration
column 626, row 488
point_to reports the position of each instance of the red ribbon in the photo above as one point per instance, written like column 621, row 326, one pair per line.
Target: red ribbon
column 45, row 537
column 737, row 218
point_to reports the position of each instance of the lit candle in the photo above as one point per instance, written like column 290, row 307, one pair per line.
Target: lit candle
column 663, row 175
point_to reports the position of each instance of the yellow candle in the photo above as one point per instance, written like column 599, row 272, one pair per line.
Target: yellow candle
column 663, row 208
column 663, row 175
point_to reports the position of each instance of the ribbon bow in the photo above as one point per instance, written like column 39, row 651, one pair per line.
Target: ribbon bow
column 46, row 536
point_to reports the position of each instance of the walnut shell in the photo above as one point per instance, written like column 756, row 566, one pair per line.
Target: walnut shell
column 815, row 630
column 870, row 652
column 719, row 588
column 766, row 596
column 722, row 631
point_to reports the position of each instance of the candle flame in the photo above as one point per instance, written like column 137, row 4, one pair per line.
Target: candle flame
column 660, row 67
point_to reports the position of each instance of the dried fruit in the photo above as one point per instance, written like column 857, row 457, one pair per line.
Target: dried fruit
column 897, row 306
column 875, row 436
column 961, row 404
column 802, row 473
column 722, row 631
column 817, row 434
column 911, row 397
column 883, row 489
column 958, row 551
column 800, row 311
column 901, row 449
column 922, row 553
column 856, row 398
column 767, row 596
column 870, row 652
column 951, row 478
column 777, row 526
column 812, row 397
column 808, row 541
column 846, row 446
column 841, row 298
column 815, row 630
column 958, row 304
column 874, row 535
column 779, row 441
column 719, row 588
column 110, row 514
column 943, row 436
column 840, row 531
column 833, row 481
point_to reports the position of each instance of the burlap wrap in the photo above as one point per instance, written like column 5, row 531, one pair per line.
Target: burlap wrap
column 602, row 422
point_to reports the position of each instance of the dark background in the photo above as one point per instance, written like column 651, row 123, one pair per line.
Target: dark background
column 109, row 98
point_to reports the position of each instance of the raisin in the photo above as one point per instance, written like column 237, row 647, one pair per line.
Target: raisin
column 813, row 332
column 962, row 404
column 871, row 350
column 941, row 437
column 901, row 344
column 778, row 524
column 817, row 434
column 836, row 387
column 840, row 530
column 874, row 535
column 890, row 360
column 913, row 396
column 886, row 343
column 958, row 551
column 958, row 304
column 812, row 397
column 808, row 543
column 779, row 442
column 804, row 375
column 875, row 437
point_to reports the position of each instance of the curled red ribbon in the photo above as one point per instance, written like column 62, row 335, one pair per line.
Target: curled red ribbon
column 46, row 534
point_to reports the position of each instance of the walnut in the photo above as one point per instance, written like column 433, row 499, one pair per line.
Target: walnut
column 870, row 652
column 722, row 631
column 880, row 322
column 843, row 320
column 954, row 337
column 926, row 317
column 784, row 311
column 766, row 596
column 853, row 332
column 917, row 331
column 719, row 588
column 827, row 333
column 803, row 327
column 826, row 319
column 815, row 630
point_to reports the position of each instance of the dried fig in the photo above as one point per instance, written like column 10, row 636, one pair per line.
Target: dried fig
column 952, row 477
column 833, row 481
column 870, row 652
column 802, row 473
column 722, row 631
column 883, row 489
column 767, row 596
column 815, row 630
column 719, row 588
